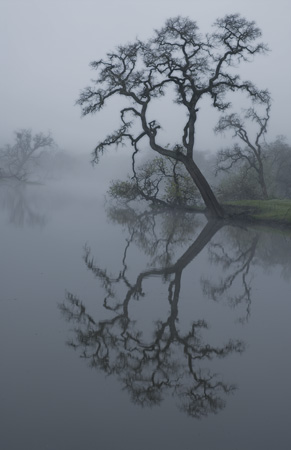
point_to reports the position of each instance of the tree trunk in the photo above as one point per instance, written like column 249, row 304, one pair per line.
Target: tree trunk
column 263, row 185
column 212, row 205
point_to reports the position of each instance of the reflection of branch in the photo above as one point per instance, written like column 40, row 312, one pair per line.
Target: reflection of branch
column 168, row 361
column 20, row 209
column 149, row 369
column 239, row 265
column 177, row 230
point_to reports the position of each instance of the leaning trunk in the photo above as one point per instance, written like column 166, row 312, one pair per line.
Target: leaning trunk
column 211, row 203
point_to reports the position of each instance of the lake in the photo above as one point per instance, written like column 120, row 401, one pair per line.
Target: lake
column 133, row 329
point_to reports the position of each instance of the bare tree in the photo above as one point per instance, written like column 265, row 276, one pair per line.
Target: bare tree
column 18, row 160
column 177, row 57
column 253, row 154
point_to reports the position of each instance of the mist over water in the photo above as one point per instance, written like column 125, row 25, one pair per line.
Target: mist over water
column 124, row 326
column 121, row 327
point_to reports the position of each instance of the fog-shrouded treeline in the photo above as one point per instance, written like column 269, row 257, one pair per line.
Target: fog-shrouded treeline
column 242, row 181
column 36, row 158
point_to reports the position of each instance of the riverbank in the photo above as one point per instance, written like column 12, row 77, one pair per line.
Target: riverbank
column 272, row 212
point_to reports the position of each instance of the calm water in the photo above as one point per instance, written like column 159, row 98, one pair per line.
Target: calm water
column 126, row 330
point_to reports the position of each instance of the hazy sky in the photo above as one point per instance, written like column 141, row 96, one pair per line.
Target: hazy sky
column 46, row 47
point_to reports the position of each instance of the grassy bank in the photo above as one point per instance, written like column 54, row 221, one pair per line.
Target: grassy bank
column 268, row 211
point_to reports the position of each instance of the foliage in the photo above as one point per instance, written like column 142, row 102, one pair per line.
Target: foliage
column 124, row 190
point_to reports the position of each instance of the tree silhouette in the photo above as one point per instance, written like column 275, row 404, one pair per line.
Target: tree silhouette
column 178, row 58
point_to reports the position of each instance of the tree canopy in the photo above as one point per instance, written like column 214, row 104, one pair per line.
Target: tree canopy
column 195, row 65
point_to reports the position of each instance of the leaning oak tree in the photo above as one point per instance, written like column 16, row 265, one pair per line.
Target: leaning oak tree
column 196, row 66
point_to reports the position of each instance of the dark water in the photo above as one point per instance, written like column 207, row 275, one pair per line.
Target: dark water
column 126, row 330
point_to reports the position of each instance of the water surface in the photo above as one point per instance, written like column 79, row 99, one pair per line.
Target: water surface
column 129, row 329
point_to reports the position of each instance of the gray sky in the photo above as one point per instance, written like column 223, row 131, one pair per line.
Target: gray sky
column 46, row 47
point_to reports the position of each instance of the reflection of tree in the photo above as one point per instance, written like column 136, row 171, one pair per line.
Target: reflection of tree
column 275, row 250
column 15, row 199
column 239, row 252
column 236, row 262
column 171, row 360
column 157, row 233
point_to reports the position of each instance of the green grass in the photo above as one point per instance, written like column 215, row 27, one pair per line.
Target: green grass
column 272, row 211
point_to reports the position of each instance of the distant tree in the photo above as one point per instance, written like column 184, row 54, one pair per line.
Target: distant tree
column 195, row 66
column 259, row 170
column 239, row 184
column 252, row 155
column 279, row 167
column 20, row 159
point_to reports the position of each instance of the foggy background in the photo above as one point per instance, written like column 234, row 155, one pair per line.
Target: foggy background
column 49, row 398
column 46, row 47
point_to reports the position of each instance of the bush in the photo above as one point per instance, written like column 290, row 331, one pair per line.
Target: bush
column 160, row 180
